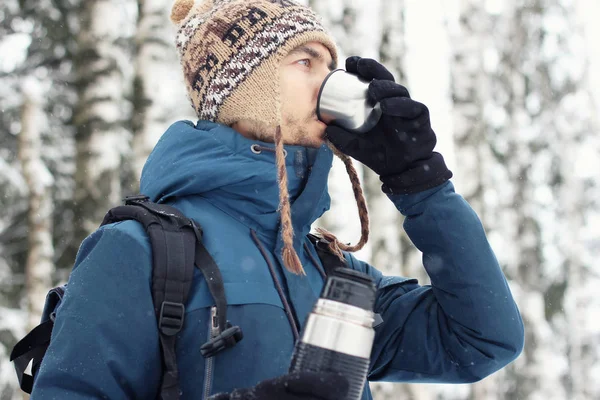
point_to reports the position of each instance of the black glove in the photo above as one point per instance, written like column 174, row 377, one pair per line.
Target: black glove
column 295, row 386
column 400, row 147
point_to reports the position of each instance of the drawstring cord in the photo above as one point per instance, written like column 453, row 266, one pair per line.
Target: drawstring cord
column 315, row 262
column 286, row 305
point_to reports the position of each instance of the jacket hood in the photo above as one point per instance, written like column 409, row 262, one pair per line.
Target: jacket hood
column 237, row 174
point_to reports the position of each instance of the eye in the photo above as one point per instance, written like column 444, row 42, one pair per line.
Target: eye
column 306, row 61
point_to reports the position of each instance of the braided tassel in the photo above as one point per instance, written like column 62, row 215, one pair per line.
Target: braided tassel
column 290, row 257
column 335, row 245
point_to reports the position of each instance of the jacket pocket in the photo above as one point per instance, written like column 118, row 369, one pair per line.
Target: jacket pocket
column 237, row 293
column 264, row 352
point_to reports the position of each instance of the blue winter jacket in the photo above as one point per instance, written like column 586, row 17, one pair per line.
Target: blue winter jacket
column 105, row 341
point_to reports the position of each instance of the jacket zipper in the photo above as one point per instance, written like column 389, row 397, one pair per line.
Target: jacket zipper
column 213, row 329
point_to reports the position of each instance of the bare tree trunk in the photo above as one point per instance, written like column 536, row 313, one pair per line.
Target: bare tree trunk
column 576, row 299
column 154, row 101
column 470, row 89
column 100, row 113
column 578, row 147
column 40, row 266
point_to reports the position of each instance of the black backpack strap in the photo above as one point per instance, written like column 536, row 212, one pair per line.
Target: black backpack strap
column 32, row 348
column 176, row 247
column 172, row 239
column 329, row 260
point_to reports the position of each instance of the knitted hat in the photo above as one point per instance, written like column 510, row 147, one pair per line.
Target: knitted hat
column 230, row 51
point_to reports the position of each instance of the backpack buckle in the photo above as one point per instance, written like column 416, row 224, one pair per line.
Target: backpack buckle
column 140, row 198
column 170, row 320
column 226, row 339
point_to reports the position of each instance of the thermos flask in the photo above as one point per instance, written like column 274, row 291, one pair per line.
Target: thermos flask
column 338, row 335
column 343, row 101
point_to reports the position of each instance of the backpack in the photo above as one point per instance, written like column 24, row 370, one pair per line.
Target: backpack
column 177, row 247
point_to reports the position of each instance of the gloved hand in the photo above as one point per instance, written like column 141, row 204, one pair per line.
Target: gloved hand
column 295, row 386
column 400, row 147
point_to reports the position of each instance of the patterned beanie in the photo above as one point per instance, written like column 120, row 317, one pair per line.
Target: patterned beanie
column 230, row 52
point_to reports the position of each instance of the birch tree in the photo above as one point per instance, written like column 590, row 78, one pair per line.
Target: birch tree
column 28, row 33
column 101, row 137
column 40, row 263
column 13, row 204
column 472, row 46
column 47, row 28
column 158, row 90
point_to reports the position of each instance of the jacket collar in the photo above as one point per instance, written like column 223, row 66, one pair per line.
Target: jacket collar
column 238, row 175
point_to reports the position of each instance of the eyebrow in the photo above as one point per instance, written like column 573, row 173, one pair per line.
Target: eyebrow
column 314, row 54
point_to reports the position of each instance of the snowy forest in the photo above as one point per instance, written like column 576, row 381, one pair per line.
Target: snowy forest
column 88, row 86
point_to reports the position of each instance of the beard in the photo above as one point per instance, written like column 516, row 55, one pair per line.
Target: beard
column 260, row 131
column 295, row 131
column 298, row 133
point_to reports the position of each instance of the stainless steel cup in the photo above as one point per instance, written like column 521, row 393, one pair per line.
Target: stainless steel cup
column 343, row 101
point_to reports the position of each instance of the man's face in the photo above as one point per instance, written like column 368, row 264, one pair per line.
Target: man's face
column 302, row 72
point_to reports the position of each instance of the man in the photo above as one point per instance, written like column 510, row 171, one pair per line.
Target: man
column 253, row 172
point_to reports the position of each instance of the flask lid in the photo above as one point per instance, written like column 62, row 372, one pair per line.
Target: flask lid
column 351, row 287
